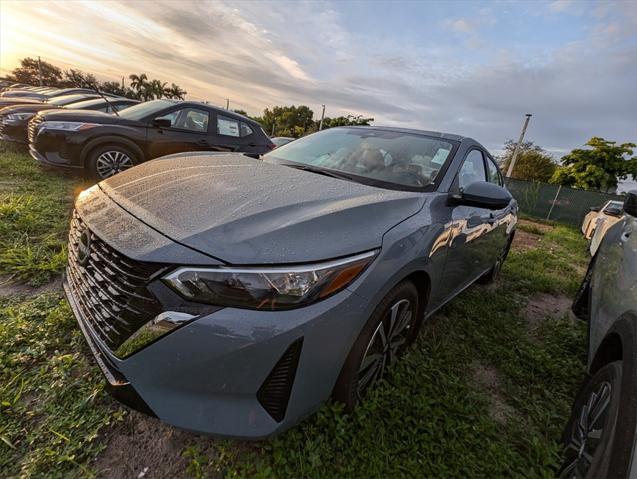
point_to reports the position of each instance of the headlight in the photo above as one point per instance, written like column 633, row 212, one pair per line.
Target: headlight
column 267, row 288
column 66, row 125
column 19, row 116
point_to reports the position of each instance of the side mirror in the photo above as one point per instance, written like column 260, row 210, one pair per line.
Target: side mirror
column 613, row 211
column 161, row 123
column 483, row 195
column 595, row 208
column 630, row 203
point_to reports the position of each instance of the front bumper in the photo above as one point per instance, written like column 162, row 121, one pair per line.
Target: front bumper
column 54, row 148
column 206, row 376
column 13, row 131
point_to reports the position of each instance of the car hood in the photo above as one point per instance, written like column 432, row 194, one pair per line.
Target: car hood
column 88, row 116
column 244, row 211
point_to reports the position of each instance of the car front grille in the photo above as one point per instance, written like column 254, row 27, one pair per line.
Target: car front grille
column 33, row 126
column 110, row 289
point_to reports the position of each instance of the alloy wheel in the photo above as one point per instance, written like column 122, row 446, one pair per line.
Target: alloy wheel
column 112, row 162
column 587, row 433
column 386, row 342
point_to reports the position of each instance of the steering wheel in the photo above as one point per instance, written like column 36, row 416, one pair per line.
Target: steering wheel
column 416, row 177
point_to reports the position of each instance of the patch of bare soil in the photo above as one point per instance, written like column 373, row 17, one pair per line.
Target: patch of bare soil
column 488, row 379
column 144, row 447
column 7, row 288
column 541, row 306
column 540, row 226
column 525, row 241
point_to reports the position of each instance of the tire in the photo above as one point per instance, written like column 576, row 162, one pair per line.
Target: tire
column 374, row 341
column 493, row 274
column 600, row 447
column 115, row 155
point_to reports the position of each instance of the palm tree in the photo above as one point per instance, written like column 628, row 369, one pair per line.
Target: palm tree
column 138, row 83
column 157, row 88
column 174, row 91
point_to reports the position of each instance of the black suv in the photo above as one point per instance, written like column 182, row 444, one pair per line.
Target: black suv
column 106, row 144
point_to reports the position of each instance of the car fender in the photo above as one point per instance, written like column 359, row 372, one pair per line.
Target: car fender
column 100, row 140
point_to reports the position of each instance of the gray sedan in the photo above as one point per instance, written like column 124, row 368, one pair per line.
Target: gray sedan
column 233, row 296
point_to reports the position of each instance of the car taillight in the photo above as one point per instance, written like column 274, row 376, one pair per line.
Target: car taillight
column 272, row 146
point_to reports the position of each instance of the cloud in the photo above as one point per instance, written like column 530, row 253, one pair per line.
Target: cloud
column 559, row 6
column 459, row 79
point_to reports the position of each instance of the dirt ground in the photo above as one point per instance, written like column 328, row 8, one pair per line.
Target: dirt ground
column 144, row 447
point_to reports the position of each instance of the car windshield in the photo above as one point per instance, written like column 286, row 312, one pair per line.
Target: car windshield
column 387, row 158
column 142, row 110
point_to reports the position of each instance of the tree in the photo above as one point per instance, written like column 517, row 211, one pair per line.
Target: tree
column 533, row 163
column 79, row 79
column 287, row 120
column 29, row 72
column 138, row 83
column 241, row 112
column 113, row 87
column 598, row 168
column 174, row 91
column 349, row 120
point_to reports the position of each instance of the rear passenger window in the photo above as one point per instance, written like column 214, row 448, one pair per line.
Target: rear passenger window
column 227, row 126
column 245, row 130
column 472, row 169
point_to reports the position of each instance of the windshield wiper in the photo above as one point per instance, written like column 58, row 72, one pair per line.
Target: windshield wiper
column 321, row 171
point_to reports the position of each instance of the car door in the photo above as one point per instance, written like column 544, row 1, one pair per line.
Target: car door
column 503, row 218
column 232, row 134
column 472, row 245
column 188, row 131
column 614, row 281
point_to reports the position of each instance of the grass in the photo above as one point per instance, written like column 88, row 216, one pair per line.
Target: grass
column 431, row 417
column 34, row 210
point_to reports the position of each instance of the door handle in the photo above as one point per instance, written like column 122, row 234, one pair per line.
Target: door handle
column 203, row 143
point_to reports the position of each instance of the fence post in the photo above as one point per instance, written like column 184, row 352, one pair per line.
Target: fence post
column 553, row 204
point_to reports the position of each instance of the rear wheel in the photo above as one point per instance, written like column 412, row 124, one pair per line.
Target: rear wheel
column 595, row 432
column 391, row 328
column 108, row 160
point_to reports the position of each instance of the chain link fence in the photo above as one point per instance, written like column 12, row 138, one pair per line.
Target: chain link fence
column 556, row 202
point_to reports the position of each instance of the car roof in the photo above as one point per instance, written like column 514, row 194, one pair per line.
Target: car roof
column 437, row 134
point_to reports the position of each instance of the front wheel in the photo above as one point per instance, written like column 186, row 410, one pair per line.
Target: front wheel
column 108, row 160
column 391, row 328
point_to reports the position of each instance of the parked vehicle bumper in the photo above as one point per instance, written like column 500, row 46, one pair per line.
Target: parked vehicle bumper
column 206, row 375
column 55, row 148
column 15, row 131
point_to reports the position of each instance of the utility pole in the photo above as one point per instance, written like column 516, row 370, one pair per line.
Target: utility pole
column 227, row 103
column 40, row 70
column 322, row 116
column 122, row 83
column 273, row 127
column 517, row 146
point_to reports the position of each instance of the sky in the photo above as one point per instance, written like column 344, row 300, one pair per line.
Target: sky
column 471, row 68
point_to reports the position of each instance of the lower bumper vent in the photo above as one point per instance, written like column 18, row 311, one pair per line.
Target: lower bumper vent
column 275, row 391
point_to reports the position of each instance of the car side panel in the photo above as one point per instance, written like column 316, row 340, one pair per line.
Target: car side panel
column 614, row 280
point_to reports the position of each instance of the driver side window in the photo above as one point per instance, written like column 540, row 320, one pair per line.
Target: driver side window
column 472, row 169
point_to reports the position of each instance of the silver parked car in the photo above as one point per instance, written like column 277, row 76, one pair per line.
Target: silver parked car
column 233, row 296
column 602, row 431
